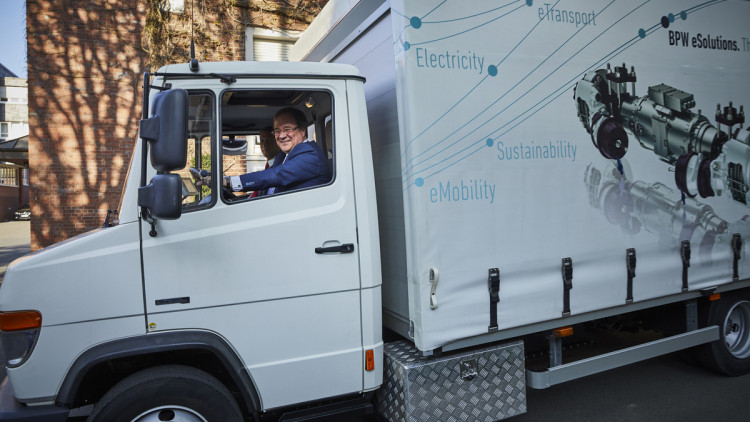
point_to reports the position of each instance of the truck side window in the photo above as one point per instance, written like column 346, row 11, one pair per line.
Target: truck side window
column 197, row 187
column 250, row 116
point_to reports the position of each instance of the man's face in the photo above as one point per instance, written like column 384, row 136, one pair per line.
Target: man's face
column 287, row 139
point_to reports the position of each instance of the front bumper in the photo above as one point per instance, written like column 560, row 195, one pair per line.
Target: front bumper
column 11, row 410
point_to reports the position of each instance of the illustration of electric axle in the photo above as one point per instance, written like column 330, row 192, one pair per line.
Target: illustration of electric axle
column 707, row 160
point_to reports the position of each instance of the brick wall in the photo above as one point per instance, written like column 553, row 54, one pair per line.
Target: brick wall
column 85, row 64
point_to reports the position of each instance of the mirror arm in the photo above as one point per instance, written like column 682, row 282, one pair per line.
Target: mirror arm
column 152, row 232
column 144, row 147
column 144, row 143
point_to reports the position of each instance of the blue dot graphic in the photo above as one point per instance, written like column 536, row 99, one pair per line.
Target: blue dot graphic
column 419, row 181
column 406, row 45
column 490, row 142
column 415, row 22
column 642, row 33
column 492, row 70
column 683, row 15
column 671, row 17
column 529, row 2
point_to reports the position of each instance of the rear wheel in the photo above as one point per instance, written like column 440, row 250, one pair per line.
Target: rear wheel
column 730, row 354
column 167, row 393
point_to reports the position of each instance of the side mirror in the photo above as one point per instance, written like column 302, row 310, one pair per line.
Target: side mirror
column 166, row 130
column 163, row 196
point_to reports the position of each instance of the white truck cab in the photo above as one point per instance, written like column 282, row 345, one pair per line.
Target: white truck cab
column 211, row 275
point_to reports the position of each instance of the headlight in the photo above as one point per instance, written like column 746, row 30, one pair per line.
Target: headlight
column 18, row 334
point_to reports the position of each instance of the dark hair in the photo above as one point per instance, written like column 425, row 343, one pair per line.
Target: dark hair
column 299, row 117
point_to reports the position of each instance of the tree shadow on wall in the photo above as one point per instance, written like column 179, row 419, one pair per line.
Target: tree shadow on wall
column 84, row 64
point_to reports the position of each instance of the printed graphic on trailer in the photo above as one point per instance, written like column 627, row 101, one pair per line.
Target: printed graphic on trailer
column 594, row 123
column 494, row 84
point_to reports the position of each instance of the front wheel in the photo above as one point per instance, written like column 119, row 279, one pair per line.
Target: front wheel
column 167, row 393
column 730, row 354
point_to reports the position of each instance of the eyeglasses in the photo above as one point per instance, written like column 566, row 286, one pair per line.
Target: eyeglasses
column 286, row 131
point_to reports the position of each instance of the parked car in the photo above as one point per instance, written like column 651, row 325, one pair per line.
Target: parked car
column 23, row 213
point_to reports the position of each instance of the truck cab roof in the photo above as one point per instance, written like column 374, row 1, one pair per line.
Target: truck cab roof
column 326, row 70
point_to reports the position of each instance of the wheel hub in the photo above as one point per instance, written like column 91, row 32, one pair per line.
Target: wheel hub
column 737, row 330
column 169, row 414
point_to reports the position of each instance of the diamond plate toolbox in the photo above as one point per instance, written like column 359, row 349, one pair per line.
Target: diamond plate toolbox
column 481, row 385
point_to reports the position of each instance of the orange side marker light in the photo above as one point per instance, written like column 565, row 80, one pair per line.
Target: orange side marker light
column 562, row 332
column 370, row 360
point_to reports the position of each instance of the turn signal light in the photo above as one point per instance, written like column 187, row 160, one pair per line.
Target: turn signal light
column 715, row 296
column 22, row 320
column 562, row 332
column 369, row 360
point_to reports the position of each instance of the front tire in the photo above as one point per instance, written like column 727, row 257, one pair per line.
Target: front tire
column 730, row 354
column 167, row 393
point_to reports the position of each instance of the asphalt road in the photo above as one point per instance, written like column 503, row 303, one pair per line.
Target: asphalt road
column 663, row 389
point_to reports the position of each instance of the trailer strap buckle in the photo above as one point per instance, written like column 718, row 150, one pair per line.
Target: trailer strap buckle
column 685, row 255
column 736, row 249
column 493, row 285
column 630, row 264
column 567, row 276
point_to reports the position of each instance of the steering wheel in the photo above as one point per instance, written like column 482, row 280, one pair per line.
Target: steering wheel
column 227, row 192
column 203, row 178
column 200, row 177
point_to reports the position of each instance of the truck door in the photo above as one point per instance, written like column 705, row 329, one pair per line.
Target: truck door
column 276, row 275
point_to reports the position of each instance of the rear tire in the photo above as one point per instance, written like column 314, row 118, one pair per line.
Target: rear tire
column 167, row 393
column 730, row 354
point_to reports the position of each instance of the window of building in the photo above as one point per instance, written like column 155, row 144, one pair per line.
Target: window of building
column 269, row 45
column 8, row 176
column 3, row 130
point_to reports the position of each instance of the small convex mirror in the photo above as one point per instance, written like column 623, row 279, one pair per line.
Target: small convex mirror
column 162, row 196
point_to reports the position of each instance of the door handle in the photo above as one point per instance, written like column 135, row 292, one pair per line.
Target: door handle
column 345, row 248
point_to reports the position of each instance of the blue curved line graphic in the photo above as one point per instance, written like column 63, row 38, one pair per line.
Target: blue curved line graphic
column 468, row 30
column 433, row 9
column 398, row 13
column 470, row 16
column 407, row 169
column 461, row 99
column 564, row 88
column 698, row 7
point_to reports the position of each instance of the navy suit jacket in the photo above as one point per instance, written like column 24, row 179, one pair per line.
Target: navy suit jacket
column 305, row 166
